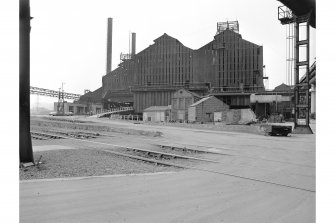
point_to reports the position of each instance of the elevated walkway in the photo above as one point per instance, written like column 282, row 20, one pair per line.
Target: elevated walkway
column 112, row 111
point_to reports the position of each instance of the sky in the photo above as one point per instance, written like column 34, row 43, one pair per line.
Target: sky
column 48, row 40
column 68, row 38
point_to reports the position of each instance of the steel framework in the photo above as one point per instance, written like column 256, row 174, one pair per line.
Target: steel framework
column 52, row 93
column 301, row 90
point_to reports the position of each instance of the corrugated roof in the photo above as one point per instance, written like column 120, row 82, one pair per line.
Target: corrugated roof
column 157, row 108
column 200, row 101
column 92, row 96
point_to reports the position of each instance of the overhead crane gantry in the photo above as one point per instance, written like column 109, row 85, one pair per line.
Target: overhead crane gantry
column 53, row 93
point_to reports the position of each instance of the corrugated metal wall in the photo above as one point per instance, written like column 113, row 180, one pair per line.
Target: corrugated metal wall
column 143, row 100
column 227, row 61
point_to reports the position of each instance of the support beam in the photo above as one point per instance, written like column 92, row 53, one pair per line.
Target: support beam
column 302, row 97
column 26, row 151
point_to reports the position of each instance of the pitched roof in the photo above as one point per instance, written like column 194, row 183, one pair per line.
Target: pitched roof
column 283, row 87
column 158, row 108
column 192, row 93
column 200, row 101
column 92, row 96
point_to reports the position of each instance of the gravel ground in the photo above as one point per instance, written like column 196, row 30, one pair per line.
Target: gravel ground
column 85, row 162
column 168, row 159
column 253, row 129
column 79, row 125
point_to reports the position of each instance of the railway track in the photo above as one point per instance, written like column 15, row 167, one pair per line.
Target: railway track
column 156, row 157
column 52, row 134
column 184, row 148
column 44, row 136
column 178, row 148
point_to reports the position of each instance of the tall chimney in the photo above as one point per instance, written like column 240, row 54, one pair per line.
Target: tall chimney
column 133, row 44
column 109, row 45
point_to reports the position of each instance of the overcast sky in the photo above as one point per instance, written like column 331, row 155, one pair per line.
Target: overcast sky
column 68, row 37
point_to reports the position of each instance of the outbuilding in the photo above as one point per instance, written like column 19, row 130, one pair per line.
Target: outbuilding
column 157, row 114
column 181, row 100
column 204, row 109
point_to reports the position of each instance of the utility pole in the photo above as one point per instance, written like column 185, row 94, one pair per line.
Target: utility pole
column 25, row 146
column 60, row 104
column 63, row 112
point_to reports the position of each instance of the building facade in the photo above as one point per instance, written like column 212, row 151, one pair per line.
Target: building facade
column 80, row 108
column 181, row 100
column 149, row 78
column 157, row 114
column 204, row 109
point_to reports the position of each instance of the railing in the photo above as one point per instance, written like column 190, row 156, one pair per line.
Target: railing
column 113, row 111
column 126, row 117
column 169, row 86
column 236, row 89
column 285, row 15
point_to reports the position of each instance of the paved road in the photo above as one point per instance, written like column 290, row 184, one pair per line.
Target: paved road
column 286, row 165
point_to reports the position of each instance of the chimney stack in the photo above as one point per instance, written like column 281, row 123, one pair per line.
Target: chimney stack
column 109, row 45
column 133, row 44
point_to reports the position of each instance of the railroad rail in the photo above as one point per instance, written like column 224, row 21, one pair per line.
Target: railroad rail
column 186, row 166
column 50, row 134
column 191, row 150
column 44, row 136
column 161, row 154
column 226, row 154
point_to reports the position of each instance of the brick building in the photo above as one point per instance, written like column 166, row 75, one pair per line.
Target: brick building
column 204, row 109
column 181, row 100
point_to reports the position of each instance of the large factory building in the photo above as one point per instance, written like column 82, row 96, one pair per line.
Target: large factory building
column 228, row 67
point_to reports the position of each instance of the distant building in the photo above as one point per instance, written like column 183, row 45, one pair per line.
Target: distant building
column 91, row 97
column 204, row 109
column 181, row 100
column 157, row 114
column 228, row 67
column 80, row 108
column 280, row 101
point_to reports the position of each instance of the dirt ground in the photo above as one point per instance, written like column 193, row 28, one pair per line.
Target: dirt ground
column 260, row 179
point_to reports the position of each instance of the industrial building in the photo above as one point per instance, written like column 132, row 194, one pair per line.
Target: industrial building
column 79, row 108
column 280, row 100
column 228, row 66
column 157, row 114
column 204, row 109
column 181, row 100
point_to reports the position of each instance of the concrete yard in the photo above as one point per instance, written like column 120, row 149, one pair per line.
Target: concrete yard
column 262, row 179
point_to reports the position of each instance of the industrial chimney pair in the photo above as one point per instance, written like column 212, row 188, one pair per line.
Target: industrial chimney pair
column 109, row 44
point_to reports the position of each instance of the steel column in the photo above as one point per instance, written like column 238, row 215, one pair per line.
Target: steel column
column 25, row 146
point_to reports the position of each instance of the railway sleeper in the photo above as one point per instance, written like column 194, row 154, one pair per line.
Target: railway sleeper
column 183, row 149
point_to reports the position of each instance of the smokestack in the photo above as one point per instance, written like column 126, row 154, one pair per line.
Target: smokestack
column 109, row 45
column 133, row 44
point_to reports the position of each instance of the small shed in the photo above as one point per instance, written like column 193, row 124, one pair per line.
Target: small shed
column 181, row 100
column 204, row 109
column 157, row 114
